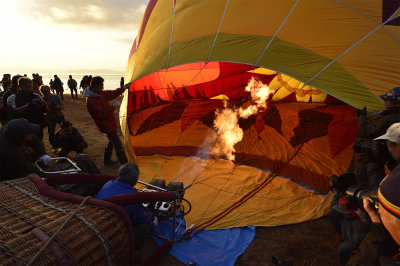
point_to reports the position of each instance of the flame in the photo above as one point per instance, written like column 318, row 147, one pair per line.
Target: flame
column 259, row 93
column 222, row 142
column 228, row 132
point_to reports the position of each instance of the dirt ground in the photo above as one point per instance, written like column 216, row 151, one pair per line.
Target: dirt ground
column 310, row 243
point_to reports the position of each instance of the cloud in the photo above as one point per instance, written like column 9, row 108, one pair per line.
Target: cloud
column 124, row 14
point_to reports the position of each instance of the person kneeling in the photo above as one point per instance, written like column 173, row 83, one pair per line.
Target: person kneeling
column 127, row 178
column 69, row 139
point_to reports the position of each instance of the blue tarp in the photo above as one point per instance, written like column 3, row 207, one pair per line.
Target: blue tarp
column 209, row 247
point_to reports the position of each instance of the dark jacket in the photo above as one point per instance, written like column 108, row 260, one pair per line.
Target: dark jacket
column 378, row 127
column 15, row 161
column 376, row 246
column 101, row 110
column 7, row 115
column 69, row 140
column 21, row 106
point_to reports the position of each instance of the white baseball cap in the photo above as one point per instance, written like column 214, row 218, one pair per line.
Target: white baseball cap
column 392, row 134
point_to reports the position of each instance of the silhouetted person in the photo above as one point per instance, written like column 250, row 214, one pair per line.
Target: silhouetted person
column 58, row 86
column 72, row 86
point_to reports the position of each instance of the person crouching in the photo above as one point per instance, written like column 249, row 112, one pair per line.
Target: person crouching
column 69, row 139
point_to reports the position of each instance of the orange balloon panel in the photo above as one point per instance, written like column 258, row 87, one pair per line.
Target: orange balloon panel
column 303, row 141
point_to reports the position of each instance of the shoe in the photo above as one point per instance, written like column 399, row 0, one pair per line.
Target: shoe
column 110, row 162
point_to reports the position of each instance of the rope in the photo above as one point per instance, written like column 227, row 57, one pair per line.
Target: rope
column 276, row 33
column 219, row 29
column 58, row 230
column 351, row 47
column 106, row 245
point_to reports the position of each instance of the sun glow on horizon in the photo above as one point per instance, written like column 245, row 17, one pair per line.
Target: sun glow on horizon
column 37, row 43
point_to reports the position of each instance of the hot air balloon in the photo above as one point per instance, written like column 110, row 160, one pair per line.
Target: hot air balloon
column 192, row 60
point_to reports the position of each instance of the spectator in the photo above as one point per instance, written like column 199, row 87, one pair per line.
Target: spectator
column 127, row 178
column 19, row 148
column 366, row 130
column 381, row 245
column 6, row 84
column 69, row 139
column 72, row 86
column 14, row 88
column 102, row 112
column 28, row 105
column 55, row 115
column 35, row 85
column 58, row 86
column 378, row 245
column 52, row 88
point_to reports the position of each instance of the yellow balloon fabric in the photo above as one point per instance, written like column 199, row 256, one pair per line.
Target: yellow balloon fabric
column 191, row 57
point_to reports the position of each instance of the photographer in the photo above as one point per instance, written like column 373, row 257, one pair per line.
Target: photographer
column 381, row 245
column 369, row 162
column 378, row 244
column 28, row 105
column 344, row 218
column 69, row 139
column 54, row 114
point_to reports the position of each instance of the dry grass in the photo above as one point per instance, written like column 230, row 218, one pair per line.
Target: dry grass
column 310, row 243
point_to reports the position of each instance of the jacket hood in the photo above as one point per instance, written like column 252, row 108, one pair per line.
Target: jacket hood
column 89, row 93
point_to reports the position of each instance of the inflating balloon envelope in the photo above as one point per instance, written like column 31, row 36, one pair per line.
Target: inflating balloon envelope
column 252, row 104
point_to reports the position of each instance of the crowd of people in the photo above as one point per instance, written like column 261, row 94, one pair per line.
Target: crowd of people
column 28, row 106
column 33, row 106
column 365, row 210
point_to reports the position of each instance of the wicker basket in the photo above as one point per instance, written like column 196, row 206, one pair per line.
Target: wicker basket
column 99, row 233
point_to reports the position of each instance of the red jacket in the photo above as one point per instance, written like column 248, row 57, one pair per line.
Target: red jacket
column 101, row 110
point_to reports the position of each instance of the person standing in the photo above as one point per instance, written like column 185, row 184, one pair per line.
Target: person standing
column 7, row 115
column 72, row 84
column 97, row 103
column 58, row 86
column 28, row 105
column 55, row 114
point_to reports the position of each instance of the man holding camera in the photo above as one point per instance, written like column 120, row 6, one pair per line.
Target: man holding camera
column 378, row 247
column 370, row 158
column 55, row 112
column 29, row 105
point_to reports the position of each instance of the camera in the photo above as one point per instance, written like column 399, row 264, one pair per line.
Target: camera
column 342, row 182
column 377, row 147
column 358, row 194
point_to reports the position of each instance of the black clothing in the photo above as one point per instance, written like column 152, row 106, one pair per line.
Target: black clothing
column 69, row 142
column 16, row 158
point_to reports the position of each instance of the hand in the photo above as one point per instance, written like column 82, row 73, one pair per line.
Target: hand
column 371, row 212
column 127, row 86
column 362, row 215
column 117, row 104
column 362, row 112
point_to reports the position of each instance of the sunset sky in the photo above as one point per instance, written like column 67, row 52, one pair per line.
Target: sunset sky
column 67, row 35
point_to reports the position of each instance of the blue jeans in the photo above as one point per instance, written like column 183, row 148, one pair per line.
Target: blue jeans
column 114, row 142
column 52, row 128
